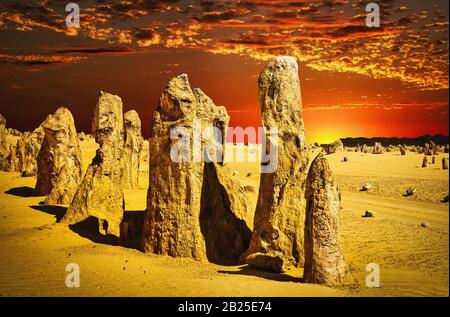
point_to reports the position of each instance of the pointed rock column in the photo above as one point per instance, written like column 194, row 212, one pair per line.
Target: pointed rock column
column 133, row 148
column 171, row 223
column 59, row 159
column 192, row 209
column 101, row 192
column 280, row 210
column 324, row 263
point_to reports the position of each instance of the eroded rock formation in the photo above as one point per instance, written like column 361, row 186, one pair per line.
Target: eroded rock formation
column 445, row 163
column 191, row 210
column 3, row 143
column 100, row 194
column 378, row 148
column 280, row 211
column 402, row 149
column 133, row 148
column 59, row 159
column 324, row 263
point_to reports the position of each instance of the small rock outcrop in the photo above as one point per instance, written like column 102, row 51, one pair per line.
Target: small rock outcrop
column 133, row 148
column 378, row 148
column 445, row 163
column 59, row 159
column 280, row 210
column 410, row 191
column 425, row 161
column 402, row 149
column 333, row 147
column 324, row 262
column 369, row 214
column 272, row 261
column 100, row 194
column 3, row 143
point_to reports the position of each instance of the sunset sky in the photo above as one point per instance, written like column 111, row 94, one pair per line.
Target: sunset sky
column 355, row 80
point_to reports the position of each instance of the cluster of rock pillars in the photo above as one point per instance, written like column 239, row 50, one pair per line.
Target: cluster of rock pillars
column 195, row 209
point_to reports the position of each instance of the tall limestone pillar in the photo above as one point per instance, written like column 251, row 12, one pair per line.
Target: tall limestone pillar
column 280, row 210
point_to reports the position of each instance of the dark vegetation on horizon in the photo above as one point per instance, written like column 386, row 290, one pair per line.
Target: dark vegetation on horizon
column 420, row 141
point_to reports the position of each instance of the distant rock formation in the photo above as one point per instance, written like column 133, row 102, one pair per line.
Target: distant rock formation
column 425, row 161
column 402, row 149
column 378, row 148
column 280, row 212
column 427, row 149
column 59, row 159
column 30, row 145
column 3, row 143
column 324, row 263
column 272, row 261
column 333, row 147
column 445, row 163
column 144, row 158
column 18, row 151
column 193, row 209
column 133, row 148
column 101, row 192
column 417, row 141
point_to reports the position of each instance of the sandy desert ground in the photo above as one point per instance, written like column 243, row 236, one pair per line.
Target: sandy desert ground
column 34, row 249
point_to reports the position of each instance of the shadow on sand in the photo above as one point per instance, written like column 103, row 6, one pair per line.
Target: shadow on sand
column 23, row 191
column 279, row 277
column 57, row 211
column 89, row 228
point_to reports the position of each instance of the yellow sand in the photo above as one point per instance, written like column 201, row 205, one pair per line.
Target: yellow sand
column 34, row 251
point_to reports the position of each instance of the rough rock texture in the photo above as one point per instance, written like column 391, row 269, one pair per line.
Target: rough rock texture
column 272, row 261
column 59, row 159
column 280, row 210
column 18, row 151
column 101, row 192
column 324, row 263
column 333, row 147
column 364, row 148
column 133, row 148
column 144, row 159
column 3, row 143
column 378, row 148
column 30, row 145
column 192, row 210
